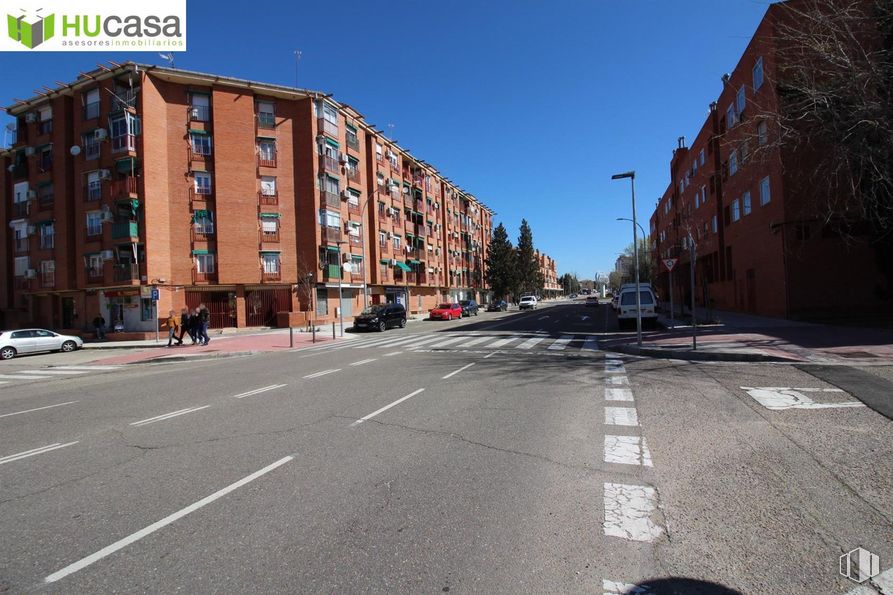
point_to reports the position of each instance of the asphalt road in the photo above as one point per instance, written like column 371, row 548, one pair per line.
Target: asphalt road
column 502, row 453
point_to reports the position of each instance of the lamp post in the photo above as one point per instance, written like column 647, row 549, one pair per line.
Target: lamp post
column 632, row 179
column 340, row 292
column 390, row 186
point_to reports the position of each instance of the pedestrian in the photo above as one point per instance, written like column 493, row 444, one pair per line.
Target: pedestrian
column 204, row 320
column 173, row 327
column 99, row 326
column 185, row 323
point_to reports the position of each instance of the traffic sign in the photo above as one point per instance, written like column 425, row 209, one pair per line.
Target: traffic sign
column 670, row 263
column 156, row 294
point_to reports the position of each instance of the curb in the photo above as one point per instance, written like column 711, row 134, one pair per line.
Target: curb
column 104, row 346
column 194, row 358
column 688, row 354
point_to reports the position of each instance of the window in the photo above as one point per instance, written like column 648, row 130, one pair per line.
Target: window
column 266, row 150
column 147, row 309
column 330, row 115
column 697, row 199
column 765, row 196
column 353, row 228
column 47, row 236
column 736, row 210
column 94, row 223
column 353, row 198
column 45, row 162
column 94, row 186
column 378, row 150
column 200, row 107
column 745, row 203
column 396, row 242
column 202, row 182
column 758, row 74
column 268, row 185
column 91, row 104
column 269, row 224
column 124, row 130
column 703, row 194
column 351, row 135
column 46, row 194
column 763, row 133
column 713, row 224
column 48, row 273
column 694, row 167
column 266, row 114
column 733, row 162
column 204, row 263
column 745, row 152
column 270, row 261
column 701, row 157
column 330, row 218
column 201, row 142
column 21, row 264
column 740, row 100
column 382, row 238
column 203, row 222
column 45, row 120
column 329, row 184
column 730, row 116
column 91, row 146
column 94, row 265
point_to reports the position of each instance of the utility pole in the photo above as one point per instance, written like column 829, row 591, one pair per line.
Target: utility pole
column 693, row 253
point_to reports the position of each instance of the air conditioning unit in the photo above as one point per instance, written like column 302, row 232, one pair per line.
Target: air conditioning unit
column 29, row 151
column 100, row 134
column 347, row 226
column 31, row 117
column 104, row 174
column 31, row 274
column 32, row 194
column 393, row 262
column 344, row 195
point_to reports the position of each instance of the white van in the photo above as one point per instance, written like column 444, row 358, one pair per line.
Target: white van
column 528, row 302
column 626, row 311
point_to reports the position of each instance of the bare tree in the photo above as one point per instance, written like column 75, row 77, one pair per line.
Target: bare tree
column 306, row 287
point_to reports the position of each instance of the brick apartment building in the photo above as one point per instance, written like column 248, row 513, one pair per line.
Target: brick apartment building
column 248, row 197
column 551, row 288
column 743, row 199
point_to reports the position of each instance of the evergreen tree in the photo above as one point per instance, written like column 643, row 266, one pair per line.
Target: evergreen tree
column 501, row 273
column 529, row 281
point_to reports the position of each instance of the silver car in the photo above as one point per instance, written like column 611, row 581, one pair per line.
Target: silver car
column 31, row 340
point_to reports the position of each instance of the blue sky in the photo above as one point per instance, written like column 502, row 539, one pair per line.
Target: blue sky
column 530, row 105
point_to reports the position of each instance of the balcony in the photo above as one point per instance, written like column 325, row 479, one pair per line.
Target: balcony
column 330, row 199
column 266, row 120
column 46, row 198
column 353, row 174
column 354, row 240
column 329, row 163
column 21, row 209
column 353, row 208
column 357, row 277
column 414, row 253
column 423, row 278
column 267, row 197
column 421, row 231
column 126, row 99
column 353, row 142
column 272, row 276
column 199, row 113
column 95, row 274
column 269, row 236
column 204, row 277
column 202, row 233
column 384, row 249
column 48, row 279
column 327, row 127
column 408, row 201
column 331, row 272
column 45, row 127
column 125, row 229
column 125, row 142
column 266, row 158
column 330, row 234
column 127, row 272
column 124, row 188
column 22, row 283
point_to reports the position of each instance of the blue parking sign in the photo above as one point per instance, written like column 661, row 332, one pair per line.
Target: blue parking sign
column 155, row 294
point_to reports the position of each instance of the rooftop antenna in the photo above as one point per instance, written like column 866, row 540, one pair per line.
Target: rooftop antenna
column 169, row 57
column 297, row 59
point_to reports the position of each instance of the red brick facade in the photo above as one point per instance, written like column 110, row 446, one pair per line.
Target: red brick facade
column 222, row 191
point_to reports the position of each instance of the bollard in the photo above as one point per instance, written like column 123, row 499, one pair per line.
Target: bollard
column 313, row 330
column 291, row 337
column 333, row 331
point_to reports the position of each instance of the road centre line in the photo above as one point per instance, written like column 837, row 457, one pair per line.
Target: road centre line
column 168, row 415
column 34, row 451
column 38, row 409
column 386, row 407
column 323, row 373
column 95, row 557
column 258, row 391
column 363, row 361
column 491, row 354
column 618, row 394
column 453, row 373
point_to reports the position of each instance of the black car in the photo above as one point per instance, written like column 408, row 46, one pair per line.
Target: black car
column 380, row 316
column 469, row 307
column 498, row 306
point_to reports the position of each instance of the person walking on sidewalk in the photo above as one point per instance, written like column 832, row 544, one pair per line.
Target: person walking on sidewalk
column 204, row 318
column 173, row 328
column 99, row 326
column 185, row 323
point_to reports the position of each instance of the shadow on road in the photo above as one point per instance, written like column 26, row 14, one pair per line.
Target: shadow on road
column 680, row 586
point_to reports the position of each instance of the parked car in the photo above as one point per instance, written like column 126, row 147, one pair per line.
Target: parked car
column 446, row 311
column 591, row 301
column 380, row 317
column 498, row 306
column 615, row 301
column 627, row 311
column 33, row 340
column 528, row 302
column 469, row 307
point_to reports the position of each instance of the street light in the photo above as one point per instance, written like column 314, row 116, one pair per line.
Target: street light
column 636, row 222
column 632, row 179
column 340, row 292
column 391, row 185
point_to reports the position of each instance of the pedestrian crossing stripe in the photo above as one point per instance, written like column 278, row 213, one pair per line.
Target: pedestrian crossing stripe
column 454, row 341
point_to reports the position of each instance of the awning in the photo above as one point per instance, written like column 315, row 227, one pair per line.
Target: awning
column 333, row 249
column 334, row 143
column 270, row 251
column 198, row 132
column 133, row 203
column 199, row 214
column 403, row 267
column 200, row 252
column 126, row 165
column 270, row 215
column 414, row 261
column 384, row 261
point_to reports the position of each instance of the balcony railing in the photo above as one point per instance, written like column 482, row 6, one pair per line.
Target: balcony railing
column 330, row 199
column 266, row 120
column 327, row 127
column 200, row 113
column 125, row 142
column 125, row 229
column 21, row 209
column 202, row 233
column 269, row 236
column 357, row 276
column 354, row 240
column 266, row 159
column 384, row 248
column 266, row 197
column 22, row 283
column 272, row 275
column 46, row 198
column 328, row 163
column 95, row 274
column 414, row 253
column 331, row 272
column 199, row 277
column 353, row 174
column 126, row 98
column 127, row 271
column 123, row 188
column 331, row 234
column 353, row 208
column 21, row 245
column 423, row 278
column 409, row 201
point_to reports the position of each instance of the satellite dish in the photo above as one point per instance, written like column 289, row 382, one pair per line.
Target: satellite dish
column 10, row 168
column 75, row 150
column 348, row 267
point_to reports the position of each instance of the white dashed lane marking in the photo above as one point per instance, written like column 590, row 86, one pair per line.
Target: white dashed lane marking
column 621, row 416
column 630, row 512
column 627, row 450
column 618, row 394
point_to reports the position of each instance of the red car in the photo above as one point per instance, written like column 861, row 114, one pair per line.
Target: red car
column 446, row 311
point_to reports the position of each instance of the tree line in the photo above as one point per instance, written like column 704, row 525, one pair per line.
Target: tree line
column 513, row 271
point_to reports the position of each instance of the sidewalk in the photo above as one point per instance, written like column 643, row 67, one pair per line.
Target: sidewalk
column 744, row 337
column 225, row 345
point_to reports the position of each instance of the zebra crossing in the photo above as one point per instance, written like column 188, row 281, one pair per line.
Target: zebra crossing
column 518, row 342
column 52, row 373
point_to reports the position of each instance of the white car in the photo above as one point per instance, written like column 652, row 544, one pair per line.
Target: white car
column 32, row 340
column 528, row 302
column 626, row 311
